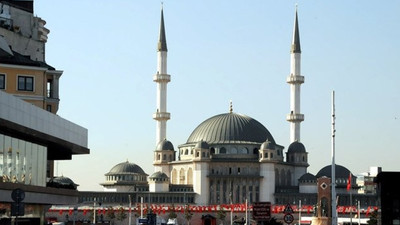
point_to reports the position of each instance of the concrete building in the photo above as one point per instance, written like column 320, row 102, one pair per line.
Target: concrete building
column 32, row 136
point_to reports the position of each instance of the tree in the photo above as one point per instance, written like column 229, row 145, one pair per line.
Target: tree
column 120, row 215
column 373, row 218
column 188, row 214
column 110, row 214
column 172, row 213
column 221, row 214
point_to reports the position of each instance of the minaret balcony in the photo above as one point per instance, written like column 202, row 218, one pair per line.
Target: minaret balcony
column 295, row 117
column 162, row 78
column 161, row 116
column 295, row 79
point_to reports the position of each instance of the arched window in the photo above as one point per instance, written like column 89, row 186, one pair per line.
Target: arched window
column 182, row 176
column 197, row 154
column 190, row 176
column 212, row 150
column 222, row 150
column 186, row 152
column 174, row 177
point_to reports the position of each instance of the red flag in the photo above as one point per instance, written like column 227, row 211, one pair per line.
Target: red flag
column 349, row 182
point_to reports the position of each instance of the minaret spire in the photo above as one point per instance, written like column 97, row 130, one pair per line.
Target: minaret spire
column 162, row 41
column 296, row 36
column 295, row 80
column 161, row 78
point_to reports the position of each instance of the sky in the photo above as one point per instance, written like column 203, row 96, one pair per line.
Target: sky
column 222, row 51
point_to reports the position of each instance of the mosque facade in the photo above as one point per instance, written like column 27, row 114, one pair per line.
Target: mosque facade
column 230, row 157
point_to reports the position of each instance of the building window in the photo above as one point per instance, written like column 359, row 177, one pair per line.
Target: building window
column 2, row 81
column 25, row 83
column 48, row 108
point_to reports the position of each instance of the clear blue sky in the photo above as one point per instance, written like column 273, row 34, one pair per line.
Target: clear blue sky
column 221, row 51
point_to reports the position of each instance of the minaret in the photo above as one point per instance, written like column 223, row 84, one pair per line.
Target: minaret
column 295, row 80
column 161, row 78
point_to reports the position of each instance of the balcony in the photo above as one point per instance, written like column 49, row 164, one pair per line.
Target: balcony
column 162, row 78
column 295, row 117
column 161, row 116
column 292, row 79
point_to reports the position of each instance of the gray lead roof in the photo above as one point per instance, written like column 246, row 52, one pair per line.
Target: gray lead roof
column 231, row 128
column 162, row 41
column 296, row 37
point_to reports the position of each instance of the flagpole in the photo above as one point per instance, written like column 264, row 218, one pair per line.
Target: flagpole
column 351, row 209
column 333, row 167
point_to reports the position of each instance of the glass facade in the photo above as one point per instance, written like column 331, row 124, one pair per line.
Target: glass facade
column 22, row 161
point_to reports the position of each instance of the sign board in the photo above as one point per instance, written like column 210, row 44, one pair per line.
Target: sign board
column 288, row 218
column 262, row 211
column 288, row 209
column 18, row 195
column 143, row 220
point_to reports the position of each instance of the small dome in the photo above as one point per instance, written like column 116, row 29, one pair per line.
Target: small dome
column 308, row 177
column 164, row 145
column 124, row 168
column 158, row 175
column 62, row 182
column 296, row 147
column 267, row 145
column 202, row 145
column 340, row 172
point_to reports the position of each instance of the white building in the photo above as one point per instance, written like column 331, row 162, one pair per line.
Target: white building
column 230, row 156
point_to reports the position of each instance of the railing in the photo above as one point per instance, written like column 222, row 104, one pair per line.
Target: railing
column 295, row 79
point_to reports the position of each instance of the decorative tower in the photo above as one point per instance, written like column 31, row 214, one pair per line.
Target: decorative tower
column 295, row 80
column 162, row 79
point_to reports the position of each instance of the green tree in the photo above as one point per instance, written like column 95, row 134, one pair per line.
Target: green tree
column 172, row 213
column 110, row 214
column 221, row 214
column 188, row 214
column 373, row 218
column 120, row 215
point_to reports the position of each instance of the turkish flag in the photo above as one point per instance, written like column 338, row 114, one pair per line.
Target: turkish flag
column 349, row 182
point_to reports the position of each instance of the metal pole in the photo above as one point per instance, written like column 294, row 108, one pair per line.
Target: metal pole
column 333, row 167
column 299, row 212
column 230, row 199
column 141, row 207
column 359, row 216
column 351, row 209
column 130, row 210
column 246, row 212
column 94, row 211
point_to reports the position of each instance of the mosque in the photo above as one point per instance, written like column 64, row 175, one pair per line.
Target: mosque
column 229, row 158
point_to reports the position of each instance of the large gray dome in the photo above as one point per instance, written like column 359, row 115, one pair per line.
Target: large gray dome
column 230, row 128
column 126, row 168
